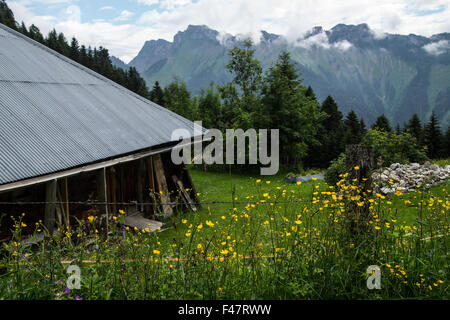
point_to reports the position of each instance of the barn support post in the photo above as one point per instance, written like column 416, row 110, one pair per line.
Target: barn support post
column 162, row 185
column 102, row 195
column 50, row 205
column 113, row 188
column 66, row 198
column 151, row 209
column 359, row 164
column 140, row 183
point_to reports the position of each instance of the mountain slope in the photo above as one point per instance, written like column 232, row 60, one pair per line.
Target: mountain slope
column 118, row 63
column 370, row 73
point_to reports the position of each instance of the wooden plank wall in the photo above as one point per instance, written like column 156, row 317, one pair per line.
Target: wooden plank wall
column 137, row 181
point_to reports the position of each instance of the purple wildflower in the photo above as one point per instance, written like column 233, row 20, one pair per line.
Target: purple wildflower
column 67, row 290
column 78, row 298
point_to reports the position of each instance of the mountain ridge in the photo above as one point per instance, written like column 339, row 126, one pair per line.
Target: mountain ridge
column 369, row 72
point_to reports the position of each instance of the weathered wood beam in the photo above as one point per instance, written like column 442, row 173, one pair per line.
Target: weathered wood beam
column 102, row 194
column 187, row 199
column 66, row 189
column 60, row 212
column 140, row 176
column 113, row 189
column 151, row 181
column 50, row 206
column 192, row 186
column 162, row 185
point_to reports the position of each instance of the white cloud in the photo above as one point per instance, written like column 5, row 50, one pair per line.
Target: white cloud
column 320, row 40
column 292, row 18
column 378, row 34
column 124, row 16
column 171, row 4
column 317, row 40
column 437, row 48
column 343, row 45
column 123, row 41
column 73, row 14
column 247, row 17
column 148, row 2
column 166, row 4
column 46, row 2
column 106, row 8
column 224, row 38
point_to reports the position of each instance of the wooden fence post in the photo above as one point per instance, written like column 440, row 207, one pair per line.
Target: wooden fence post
column 359, row 164
column 361, row 157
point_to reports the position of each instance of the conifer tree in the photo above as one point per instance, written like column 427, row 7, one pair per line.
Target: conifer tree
column 135, row 83
column 74, row 50
column 7, row 16
column 177, row 98
column 310, row 93
column 23, row 29
column 382, row 124
column 330, row 136
column 157, row 94
column 433, row 138
column 352, row 129
column 210, row 108
column 362, row 127
column 35, row 34
column 414, row 127
column 287, row 108
column 447, row 143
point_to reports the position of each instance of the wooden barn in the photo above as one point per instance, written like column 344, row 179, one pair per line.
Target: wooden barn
column 75, row 144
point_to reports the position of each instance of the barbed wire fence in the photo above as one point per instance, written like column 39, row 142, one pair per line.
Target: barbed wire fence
column 210, row 202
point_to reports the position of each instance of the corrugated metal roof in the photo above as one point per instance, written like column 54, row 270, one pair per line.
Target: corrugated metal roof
column 56, row 114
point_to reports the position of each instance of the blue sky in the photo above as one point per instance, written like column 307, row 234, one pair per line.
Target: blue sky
column 124, row 26
column 94, row 10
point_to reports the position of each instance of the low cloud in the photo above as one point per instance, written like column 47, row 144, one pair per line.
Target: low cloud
column 225, row 39
column 437, row 48
column 378, row 34
column 320, row 40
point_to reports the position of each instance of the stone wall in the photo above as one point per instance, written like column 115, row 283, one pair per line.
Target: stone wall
column 408, row 176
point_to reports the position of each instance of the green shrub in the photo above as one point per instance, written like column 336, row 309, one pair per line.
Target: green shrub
column 336, row 168
column 389, row 147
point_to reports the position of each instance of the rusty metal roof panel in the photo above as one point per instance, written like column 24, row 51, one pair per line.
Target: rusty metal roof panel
column 56, row 114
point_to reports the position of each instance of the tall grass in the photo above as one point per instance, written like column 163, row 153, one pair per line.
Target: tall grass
column 274, row 243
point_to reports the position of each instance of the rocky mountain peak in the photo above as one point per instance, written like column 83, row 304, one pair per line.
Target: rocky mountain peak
column 314, row 31
column 353, row 33
column 195, row 32
column 268, row 37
